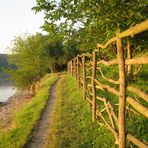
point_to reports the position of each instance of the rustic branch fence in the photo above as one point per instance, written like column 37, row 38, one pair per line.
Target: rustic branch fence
column 88, row 72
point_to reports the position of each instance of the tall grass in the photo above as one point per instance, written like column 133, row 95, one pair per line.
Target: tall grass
column 24, row 120
column 136, row 124
column 73, row 127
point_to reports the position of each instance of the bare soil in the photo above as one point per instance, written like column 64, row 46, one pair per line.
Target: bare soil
column 40, row 134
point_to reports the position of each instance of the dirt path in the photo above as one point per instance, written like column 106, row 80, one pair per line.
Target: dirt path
column 39, row 138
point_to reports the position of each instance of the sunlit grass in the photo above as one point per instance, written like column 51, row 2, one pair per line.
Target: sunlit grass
column 135, row 122
column 73, row 125
column 26, row 118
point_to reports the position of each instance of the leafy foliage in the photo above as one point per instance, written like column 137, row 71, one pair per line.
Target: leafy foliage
column 87, row 22
column 34, row 56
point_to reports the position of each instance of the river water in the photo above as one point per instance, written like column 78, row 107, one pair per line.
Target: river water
column 6, row 92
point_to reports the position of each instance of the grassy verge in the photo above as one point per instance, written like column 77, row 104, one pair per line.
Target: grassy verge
column 136, row 123
column 73, row 127
column 26, row 118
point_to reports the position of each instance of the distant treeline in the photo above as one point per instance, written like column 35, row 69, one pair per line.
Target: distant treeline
column 4, row 77
column 3, row 61
column 36, row 55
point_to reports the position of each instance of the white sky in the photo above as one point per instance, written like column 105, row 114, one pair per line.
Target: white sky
column 17, row 18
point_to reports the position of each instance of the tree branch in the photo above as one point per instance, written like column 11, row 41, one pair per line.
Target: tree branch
column 107, row 87
column 108, row 79
column 137, row 106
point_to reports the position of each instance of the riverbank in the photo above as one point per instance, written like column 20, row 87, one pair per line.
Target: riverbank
column 6, row 92
column 13, row 104
column 24, row 115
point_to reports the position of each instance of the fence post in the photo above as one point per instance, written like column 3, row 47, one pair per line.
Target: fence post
column 68, row 66
column 129, row 56
column 78, row 72
column 74, row 68
column 75, row 71
column 71, row 67
column 84, row 76
column 122, row 95
column 94, row 87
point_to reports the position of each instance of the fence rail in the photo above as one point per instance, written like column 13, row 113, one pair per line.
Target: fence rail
column 87, row 71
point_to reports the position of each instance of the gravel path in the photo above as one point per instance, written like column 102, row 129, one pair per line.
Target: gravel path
column 39, row 137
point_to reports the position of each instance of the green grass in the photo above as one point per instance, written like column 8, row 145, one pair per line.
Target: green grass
column 24, row 121
column 73, row 127
column 136, row 124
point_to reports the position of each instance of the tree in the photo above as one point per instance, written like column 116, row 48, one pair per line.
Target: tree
column 34, row 56
column 93, row 20
column 56, row 54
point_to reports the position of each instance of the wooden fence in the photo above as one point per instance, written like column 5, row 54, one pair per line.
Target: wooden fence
column 88, row 73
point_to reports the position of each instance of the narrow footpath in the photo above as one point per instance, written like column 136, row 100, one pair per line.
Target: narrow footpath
column 39, row 137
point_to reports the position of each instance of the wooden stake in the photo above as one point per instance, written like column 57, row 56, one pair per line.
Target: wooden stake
column 129, row 56
column 93, row 87
column 78, row 72
column 122, row 95
column 68, row 67
column 72, row 69
column 75, row 71
column 84, row 77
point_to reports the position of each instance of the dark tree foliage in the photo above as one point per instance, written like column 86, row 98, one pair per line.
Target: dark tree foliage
column 88, row 22
column 34, row 56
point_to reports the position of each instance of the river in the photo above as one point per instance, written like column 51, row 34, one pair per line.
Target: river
column 6, row 92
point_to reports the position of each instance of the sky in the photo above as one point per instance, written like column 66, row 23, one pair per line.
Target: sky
column 17, row 18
